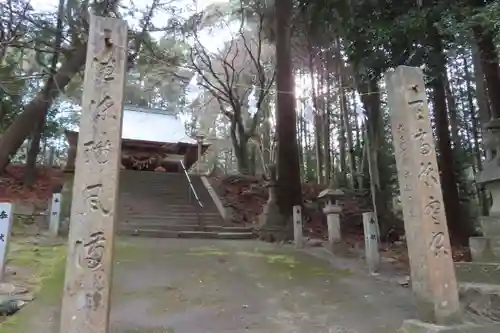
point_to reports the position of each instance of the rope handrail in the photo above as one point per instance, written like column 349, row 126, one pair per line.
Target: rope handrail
column 191, row 185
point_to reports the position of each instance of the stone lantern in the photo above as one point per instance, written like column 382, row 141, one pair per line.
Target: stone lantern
column 332, row 211
column 486, row 249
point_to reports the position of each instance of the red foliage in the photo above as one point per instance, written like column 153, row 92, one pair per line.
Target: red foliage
column 246, row 197
column 12, row 189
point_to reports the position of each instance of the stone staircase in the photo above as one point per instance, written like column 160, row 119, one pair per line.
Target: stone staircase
column 158, row 204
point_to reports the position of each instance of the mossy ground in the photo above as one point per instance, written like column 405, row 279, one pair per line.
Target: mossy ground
column 166, row 286
column 42, row 269
column 268, row 267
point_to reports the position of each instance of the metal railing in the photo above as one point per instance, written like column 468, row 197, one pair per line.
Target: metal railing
column 192, row 191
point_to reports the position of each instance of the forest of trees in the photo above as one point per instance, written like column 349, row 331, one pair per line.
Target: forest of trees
column 296, row 83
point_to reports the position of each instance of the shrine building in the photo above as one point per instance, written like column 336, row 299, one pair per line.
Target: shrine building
column 152, row 139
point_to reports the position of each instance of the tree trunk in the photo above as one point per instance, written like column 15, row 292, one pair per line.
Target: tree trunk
column 358, row 175
column 481, row 96
column 33, row 150
column 252, row 160
column 289, row 192
column 240, row 145
column 318, row 148
column 326, row 126
column 457, row 224
column 475, row 133
column 24, row 123
column 381, row 195
column 452, row 108
column 490, row 63
column 317, row 119
column 266, row 129
column 342, row 151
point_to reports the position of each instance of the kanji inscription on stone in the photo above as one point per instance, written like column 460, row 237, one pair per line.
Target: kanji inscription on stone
column 86, row 299
column 432, row 271
column 6, row 218
column 55, row 211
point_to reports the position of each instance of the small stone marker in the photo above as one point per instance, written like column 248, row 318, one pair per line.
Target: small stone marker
column 6, row 218
column 371, row 241
column 86, row 300
column 297, row 226
column 432, row 271
column 55, row 214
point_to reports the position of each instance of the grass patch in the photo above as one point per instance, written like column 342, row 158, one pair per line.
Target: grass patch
column 46, row 265
column 126, row 251
column 281, row 263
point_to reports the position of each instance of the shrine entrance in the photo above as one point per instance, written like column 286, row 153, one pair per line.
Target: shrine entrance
column 152, row 140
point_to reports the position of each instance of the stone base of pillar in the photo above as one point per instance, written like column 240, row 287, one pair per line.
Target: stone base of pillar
column 417, row 326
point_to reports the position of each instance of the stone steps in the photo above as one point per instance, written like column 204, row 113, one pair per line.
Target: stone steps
column 172, row 220
column 186, row 227
column 170, row 204
column 158, row 205
column 485, row 266
column 478, row 272
column 490, row 226
column 485, row 249
column 481, row 299
column 188, row 234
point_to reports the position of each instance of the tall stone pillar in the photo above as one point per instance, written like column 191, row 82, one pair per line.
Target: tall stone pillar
column 432, row 271
column 87, row 285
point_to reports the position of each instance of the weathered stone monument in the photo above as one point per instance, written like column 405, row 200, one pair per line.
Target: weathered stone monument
column 372, row 235
column 6, row 219
column 297, row 227
column 432, row 270
column 85, row 306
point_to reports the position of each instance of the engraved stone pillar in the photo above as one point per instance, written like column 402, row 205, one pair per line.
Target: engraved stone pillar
column 85, row 304
column 432, row 271
column 6, row 219
column 372, row 233
column 297, row 226
column 55, row 213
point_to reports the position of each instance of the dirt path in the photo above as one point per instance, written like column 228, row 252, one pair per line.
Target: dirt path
column 204, row 286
